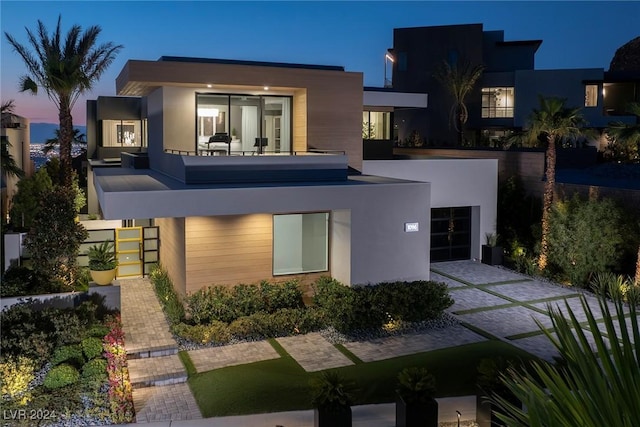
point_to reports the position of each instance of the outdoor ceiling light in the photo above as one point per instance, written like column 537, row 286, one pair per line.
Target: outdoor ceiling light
column 209, row 85
column 266, row 88
column 389, row 57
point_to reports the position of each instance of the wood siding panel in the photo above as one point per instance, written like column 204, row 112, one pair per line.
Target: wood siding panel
column 228, row 250
column 172, row 250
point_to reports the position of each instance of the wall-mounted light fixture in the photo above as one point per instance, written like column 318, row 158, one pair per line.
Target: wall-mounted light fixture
column 387, row 58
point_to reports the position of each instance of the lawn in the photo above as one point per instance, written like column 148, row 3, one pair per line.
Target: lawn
column 282, row 385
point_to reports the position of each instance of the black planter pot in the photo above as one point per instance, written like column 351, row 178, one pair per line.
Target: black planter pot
column 332, row 418
column 419, row 414
column 492, row 255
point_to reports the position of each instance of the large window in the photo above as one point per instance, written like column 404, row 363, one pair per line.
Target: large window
column 591, row 95
column 497, row 102
column 124, row 133
column 376, row 125
column 300, row 243
column 246, row 120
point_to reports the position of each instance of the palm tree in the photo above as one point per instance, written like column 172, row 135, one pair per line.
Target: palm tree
column 51, row 143
column 458, row 80
column 9, row 166
column 553, row 122
column 65, row 69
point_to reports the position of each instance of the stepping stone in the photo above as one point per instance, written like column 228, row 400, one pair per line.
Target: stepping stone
column 156, row 371
column 166, row 403
column 476, row 272
column 468, row 298
column 207, row 359
column 313, row 352
column 542, row 347
column 396, row 346
column 575, row 305
column 505, row 322
column 529, row 291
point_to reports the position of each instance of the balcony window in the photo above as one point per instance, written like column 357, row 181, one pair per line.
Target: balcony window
column 124, row 133
column 300, row 243
column 497, row 102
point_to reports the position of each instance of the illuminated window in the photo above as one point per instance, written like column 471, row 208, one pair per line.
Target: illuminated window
column 376, row 125
column 300, row 243
column 591, row 95
column 124, row 133
column 497, row 102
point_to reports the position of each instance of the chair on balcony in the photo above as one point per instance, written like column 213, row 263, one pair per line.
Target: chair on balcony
column 260, row 142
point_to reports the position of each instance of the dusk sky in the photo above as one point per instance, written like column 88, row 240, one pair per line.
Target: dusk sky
column 353, row 34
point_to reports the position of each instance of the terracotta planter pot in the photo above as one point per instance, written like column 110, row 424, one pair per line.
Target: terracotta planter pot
column 104, row 277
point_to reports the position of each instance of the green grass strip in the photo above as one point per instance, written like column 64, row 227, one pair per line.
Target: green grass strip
column 278, row 348
column 525, row 335
column 487, row 308
column 187, row 362
column 479, row 331
column 442, row 273
column 280, row 385
column 342, row 349
column 505, row 282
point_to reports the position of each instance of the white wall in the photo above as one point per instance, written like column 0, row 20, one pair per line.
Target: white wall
column 454, row 183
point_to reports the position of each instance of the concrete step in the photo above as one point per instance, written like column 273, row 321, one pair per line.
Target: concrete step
column 145, row 352
column 156, row 371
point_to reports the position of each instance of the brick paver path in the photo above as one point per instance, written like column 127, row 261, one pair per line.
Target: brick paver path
column 389, row 347
column 207, row 359
column 165, row 403
column 161, row 370
column 143, row 321
column 313, row 352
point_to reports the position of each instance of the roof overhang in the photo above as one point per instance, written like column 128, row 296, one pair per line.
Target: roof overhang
column 385, row 98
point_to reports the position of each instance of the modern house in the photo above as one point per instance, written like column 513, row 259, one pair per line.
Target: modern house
column 509, row 87
column 253, row 171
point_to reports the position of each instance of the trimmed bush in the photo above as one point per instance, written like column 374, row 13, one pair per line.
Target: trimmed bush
column 170, row 300
column 98, row 331
column 15, row 376
column 91, row 347
column 19, row 280
column 61, row 376
column 226, row 304
column 70, row 354
column 95, row 369
column 217, row 332
column 284, row 322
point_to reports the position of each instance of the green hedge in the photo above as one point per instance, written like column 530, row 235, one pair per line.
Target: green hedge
column 217, row 332
column 168, row 297
column 61, row 376
column 221, row 303
column 370, row 307
column 69, row 353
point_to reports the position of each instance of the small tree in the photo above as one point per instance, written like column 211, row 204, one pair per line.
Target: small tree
column 55, row 237
column 26, row 202
column 585, row 237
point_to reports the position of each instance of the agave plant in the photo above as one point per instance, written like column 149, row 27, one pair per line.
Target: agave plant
column 416, row 384
column 102, row 257
column 331, row 391
column 594, row 386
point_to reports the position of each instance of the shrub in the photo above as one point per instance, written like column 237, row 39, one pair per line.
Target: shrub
column 91, row 347
column 98, row 331
column 19, row 280
column 245, row 327
column 170, row 300
column 70, row 354
column 217, row 332
column 61, row 376
column 416, row 384
column 95, row 369
column 15, row 376
column 585, row 238
column 226, row 304
column 68, row 327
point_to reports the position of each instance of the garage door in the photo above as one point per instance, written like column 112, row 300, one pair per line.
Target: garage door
column 450, row 234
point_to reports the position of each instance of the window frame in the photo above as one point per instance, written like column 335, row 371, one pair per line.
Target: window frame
column 328, row 244
column 491, row 111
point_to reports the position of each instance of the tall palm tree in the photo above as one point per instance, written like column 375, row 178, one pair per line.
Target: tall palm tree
column 51, row 143
column 553, row 122
column 65, row 69
column 458, row 80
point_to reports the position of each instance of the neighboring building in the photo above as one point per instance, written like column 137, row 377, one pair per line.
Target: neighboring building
column 251, row 171
column 15, row 130
column 508, row 91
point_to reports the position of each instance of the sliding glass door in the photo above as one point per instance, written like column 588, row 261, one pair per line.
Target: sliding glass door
column 252, row 123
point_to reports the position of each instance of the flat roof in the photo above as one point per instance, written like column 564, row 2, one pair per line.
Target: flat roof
column 254, row 63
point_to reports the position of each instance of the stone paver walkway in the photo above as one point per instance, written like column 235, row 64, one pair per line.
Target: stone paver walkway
column 475, row 272
column 396, row 346
column 160, row 370
column 165, row 403
column 207, row 359
column 146, row 329
column 313, row 352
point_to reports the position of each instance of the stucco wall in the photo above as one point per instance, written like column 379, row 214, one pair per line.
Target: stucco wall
column 454, row 183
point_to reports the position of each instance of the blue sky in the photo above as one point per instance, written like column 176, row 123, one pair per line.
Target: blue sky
column 353, row 34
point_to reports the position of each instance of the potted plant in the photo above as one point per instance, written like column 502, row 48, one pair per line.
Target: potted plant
column 102, row 263
column 415, row 405
column 332, row 400
column 233, row 133
column 489, row 385
column 491, row 252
